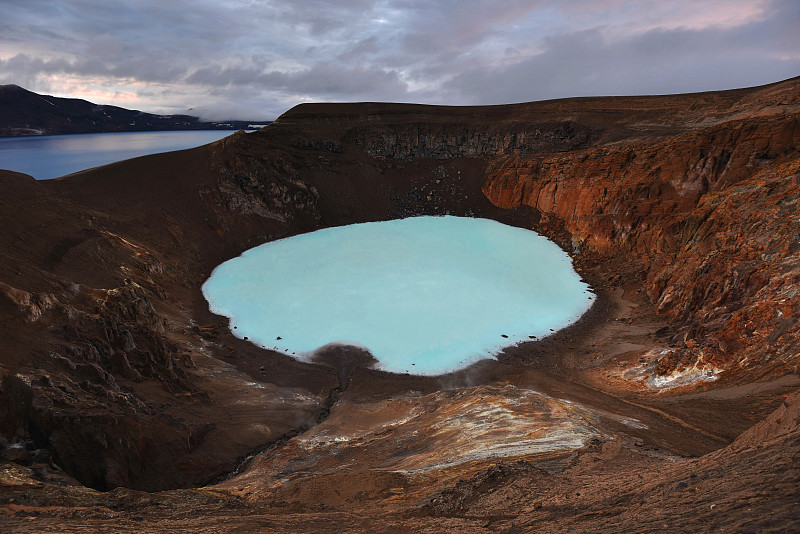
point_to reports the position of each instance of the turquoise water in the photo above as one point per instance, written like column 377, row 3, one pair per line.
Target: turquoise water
column 425, row 295
column 51, row 156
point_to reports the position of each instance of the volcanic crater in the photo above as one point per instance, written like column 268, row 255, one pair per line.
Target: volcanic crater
column 672, row 404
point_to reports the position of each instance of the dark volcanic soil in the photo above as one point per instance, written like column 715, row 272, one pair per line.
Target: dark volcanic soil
column 681, row 211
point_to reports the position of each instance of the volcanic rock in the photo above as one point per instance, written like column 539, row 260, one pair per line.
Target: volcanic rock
column 669, row 406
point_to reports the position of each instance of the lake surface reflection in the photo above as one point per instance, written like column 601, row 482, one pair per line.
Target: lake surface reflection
column 51, row 156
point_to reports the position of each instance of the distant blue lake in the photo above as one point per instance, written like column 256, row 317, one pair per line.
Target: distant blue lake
column 51, row 156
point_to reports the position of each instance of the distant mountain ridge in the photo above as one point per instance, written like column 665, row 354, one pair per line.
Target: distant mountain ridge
column 24, row 113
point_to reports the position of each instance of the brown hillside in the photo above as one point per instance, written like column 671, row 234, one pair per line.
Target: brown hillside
column 681, row 210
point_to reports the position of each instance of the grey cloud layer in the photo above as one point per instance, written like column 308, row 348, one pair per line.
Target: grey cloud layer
column 255, row 58
column 655, row 62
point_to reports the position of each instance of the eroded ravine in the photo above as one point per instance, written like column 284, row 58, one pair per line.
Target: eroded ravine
column 343, row 360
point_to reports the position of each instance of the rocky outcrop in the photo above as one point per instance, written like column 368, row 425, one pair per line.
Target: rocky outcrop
column 708, row 215
column 72, row 402
column 264, row 185
column 628, row 196
column 422, row 141
column 99, row 364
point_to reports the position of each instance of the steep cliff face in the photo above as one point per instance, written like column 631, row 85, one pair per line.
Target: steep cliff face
column 424, row 141
column 711, row 217
column 697, row 192
column 606, row 194
column 258, row 181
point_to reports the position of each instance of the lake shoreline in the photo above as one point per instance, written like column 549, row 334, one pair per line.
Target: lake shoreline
column 426, row 295
column 47, row 157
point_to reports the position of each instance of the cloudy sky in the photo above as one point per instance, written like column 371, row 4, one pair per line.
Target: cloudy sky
column 254, row 59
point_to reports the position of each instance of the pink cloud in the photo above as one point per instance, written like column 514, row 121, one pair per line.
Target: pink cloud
column 636, row 16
